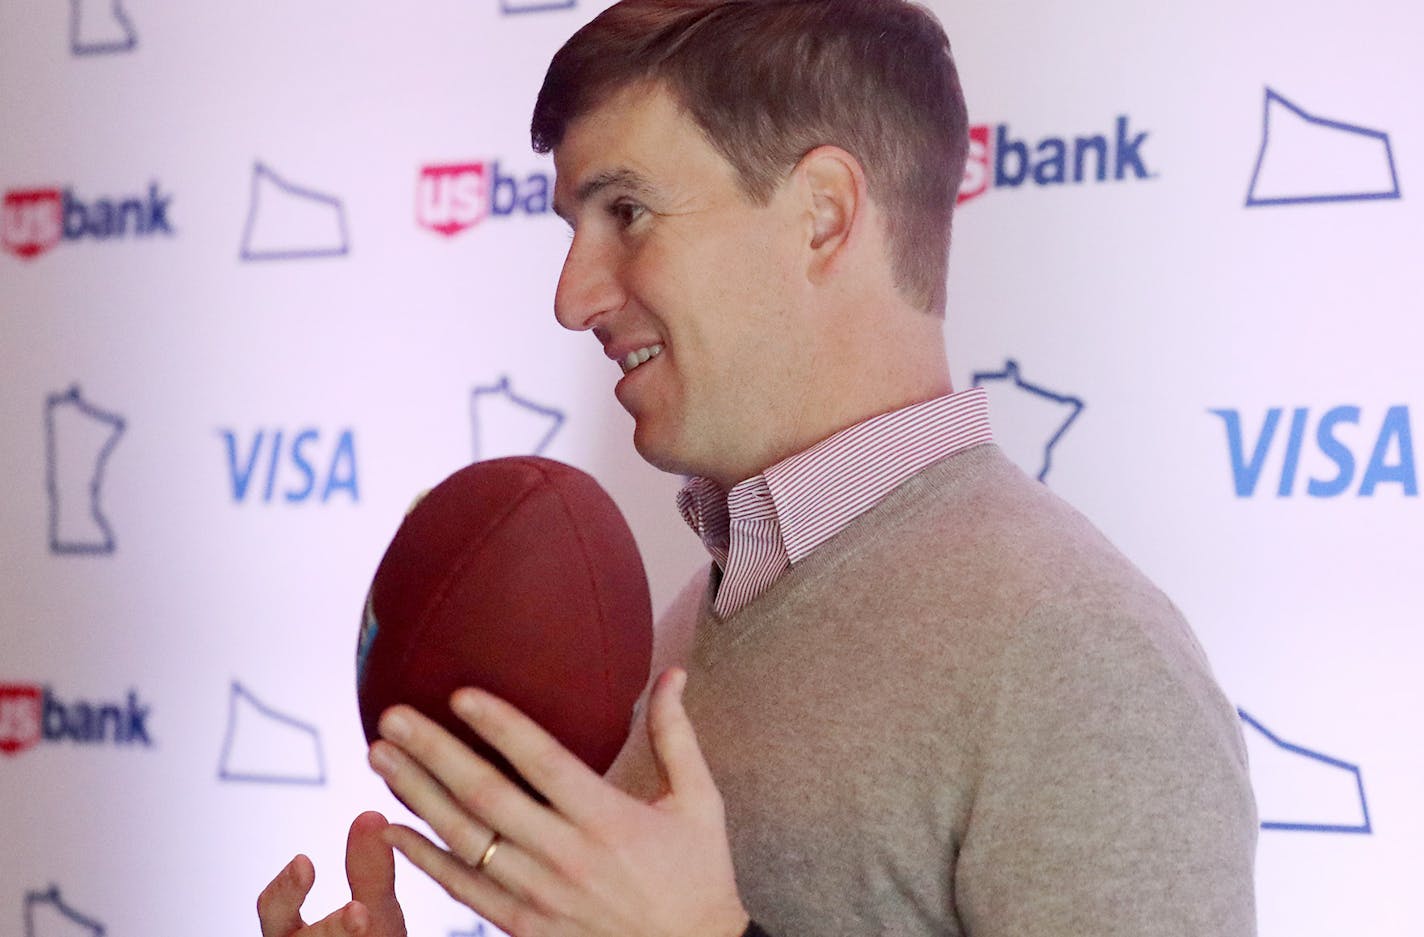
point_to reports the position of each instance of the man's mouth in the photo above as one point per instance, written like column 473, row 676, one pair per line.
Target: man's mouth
column 635, row 358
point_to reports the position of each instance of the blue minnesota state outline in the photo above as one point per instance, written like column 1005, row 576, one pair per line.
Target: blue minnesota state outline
column 551, row 416
column 60, row 543
column 508, row 7
column 37, row 899
column 239, row 696
column 330, row 209
column 1011, row 374
column 479, row 930
column 1363, row 827
column 85, row 15
column 1276, row 99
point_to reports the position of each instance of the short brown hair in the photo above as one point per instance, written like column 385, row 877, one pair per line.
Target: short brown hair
column 770, row 80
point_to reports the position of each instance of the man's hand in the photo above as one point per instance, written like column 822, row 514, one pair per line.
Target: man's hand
column 595, row 861
column 371, row 872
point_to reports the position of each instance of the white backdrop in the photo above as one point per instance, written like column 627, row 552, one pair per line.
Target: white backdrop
column 270, row 269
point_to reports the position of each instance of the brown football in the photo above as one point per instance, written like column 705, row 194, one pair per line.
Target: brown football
column 518, row 576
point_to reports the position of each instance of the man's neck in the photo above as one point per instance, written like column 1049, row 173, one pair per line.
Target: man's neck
column 874, row 366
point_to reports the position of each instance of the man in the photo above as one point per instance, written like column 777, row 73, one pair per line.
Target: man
column 923, row 696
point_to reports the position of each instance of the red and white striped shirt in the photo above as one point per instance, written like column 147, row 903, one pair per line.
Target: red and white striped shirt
column 769, row 523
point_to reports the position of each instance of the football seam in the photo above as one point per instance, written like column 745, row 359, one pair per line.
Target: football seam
column 468, row 554
column 603, row 626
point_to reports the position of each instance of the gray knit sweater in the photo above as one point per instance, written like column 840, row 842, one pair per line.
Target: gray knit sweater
column 967, row 713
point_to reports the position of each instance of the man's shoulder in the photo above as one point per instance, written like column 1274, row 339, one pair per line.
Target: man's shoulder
column 975, row 517
column 676, row 622
column 975, row 541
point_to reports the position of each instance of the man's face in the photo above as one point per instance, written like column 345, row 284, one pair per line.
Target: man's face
column 692, row 289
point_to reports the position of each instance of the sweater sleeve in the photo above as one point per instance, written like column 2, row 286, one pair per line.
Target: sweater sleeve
column 1113, row 797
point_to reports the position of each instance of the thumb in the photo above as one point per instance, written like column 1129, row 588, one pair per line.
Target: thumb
column 674, row 742
column 371, row 870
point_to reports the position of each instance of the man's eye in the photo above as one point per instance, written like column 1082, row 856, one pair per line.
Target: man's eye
column 625, row 212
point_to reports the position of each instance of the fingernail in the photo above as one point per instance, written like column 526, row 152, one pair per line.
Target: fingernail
column 296, row 870
column 465, row 703
column 353, row 919
column 381, row 759
column 395, row 726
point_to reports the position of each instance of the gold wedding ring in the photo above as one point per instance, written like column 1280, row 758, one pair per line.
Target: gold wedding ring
column 488, row 854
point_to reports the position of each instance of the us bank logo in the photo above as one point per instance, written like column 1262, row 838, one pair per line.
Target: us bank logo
column 451, row 198
column 33, row 714
column 34, row 220
column 1305, row 158
column 1330, row 452
column 1001, row 157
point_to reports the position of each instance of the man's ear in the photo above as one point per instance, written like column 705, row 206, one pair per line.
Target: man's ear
column 835, row 191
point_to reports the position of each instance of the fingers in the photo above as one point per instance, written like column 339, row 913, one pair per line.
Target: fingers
column 572, row 787
column 674, row 742
column 353, row 920
column 477, row 890
column 371, row 870
column 279, row 906
column 431, row 801
column 463, row 797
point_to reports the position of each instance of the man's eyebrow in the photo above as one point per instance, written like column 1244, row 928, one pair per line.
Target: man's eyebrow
column 608, row 179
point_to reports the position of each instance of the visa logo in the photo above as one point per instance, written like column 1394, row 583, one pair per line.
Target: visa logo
column 291, row 467
column 35, row 220
column 1336, row 440
column 454, row 197
column 998, row 159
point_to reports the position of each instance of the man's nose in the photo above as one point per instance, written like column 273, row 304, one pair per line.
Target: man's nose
column 588, row 286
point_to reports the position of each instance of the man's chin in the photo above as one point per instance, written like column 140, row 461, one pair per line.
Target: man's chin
column 665, row 454
column 661, row 458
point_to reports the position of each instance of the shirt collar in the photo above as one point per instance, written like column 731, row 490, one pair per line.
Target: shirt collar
column 815, row 493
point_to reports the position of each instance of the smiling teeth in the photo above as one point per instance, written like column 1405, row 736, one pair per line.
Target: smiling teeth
column 636, row 358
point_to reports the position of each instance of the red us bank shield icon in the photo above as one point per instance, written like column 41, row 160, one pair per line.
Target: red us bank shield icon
column 31, row 222
column 452, row 197
column 976, row 167
column 20, row 715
